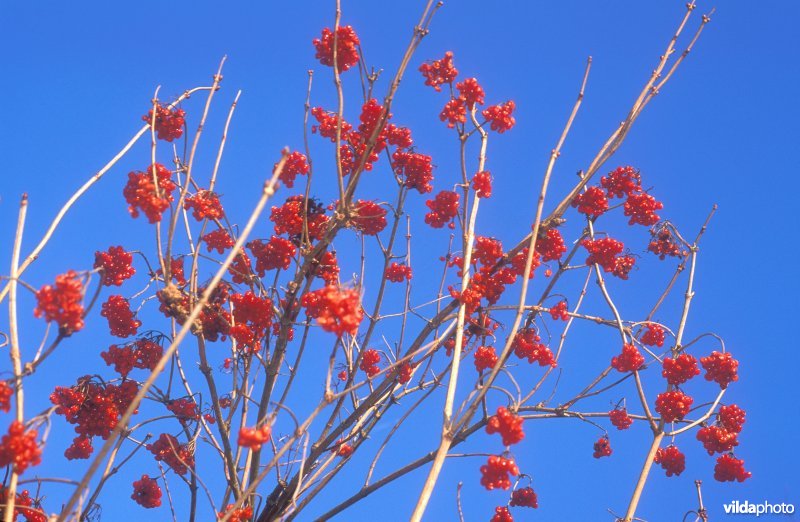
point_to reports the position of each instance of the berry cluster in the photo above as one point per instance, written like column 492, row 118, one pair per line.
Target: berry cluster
column 732, row 418
column 551, row 245
column 653, row 336
column 527, row 345
column 439, row 72
column 6, row 392
column 243, row 514
column 620, row 419
column 62, row 303
column 502, row 514
column 277, row 253
column 24, row 505
column 664, row 243
column 622, row 181
column 121, row 319
column 326, row 267
column 630, row 360
column 716, row 439
column 485, row 358
column 397, row 273
column 114, row 265
column 673, row 405
column 344, row 450
column 146, row 492
column 143, row 354
column 169, row 123
column 336, row 310
column 524, row 497
column 253, row 317
column 296, row 164
column 347, row 43
column 177, row 456
column 729, row 468
column 671, row 460
column 369, row 217
column 204, row 205
column 680, row 369
column 417, row 169
column 454, row 112
column 471, row 92
column 18, row 448
column 405, row 371
column 495, row 473
column 508, row 425
column 592, row 203
column 559, row 311
column 720, row 368
column 142, row 194
column 602, row 447
column 444, row 207
column 642, row 209
column 499, row 116
column 604, row 252
column 218, row 240
column 369, row 362
column 184, row 409
column 289, row 218
column 482, row 184
column 254, row 438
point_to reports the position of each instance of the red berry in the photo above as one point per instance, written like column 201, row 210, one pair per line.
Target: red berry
column 729, row 468
column 439, row 72
column 716, row 439
column 485, row 358
column 121, row 319
column 524, row 497
column 593, row 202
column 454, row 112
column 482, row 184
column 398, row 273
column 673, row 405
column 629, row 360
column 142, row 195
column 495, row 473
column 169, row 123
column 115, row 265
column 680, row 369
column 19, row 448
column 369, row 362
column 204, row 205
column 146, row 492
column 559, row 311
column 254, row 438
column 502, row 514
column 296, row 164
column 347, row 43
column 602, row 448
column 177, row 456
column 62, row 303
column 671, row 460
column 277, row 253
column 654, row 336
column 731, row 418
column 499, row 116
column 620, row 419
column 720, row 368
column 471, row 92
column 508, row 425
column 369, row 217
column 444, row 207
column 623, row 181
column 416, row 168
column 642, row 209
column 336, row 310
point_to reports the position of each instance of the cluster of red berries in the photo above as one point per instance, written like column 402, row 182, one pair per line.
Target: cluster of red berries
column 143, row 195
column 664, row 243
column 326, row 267
column 176, row 272
column 369, row 362
column 243, row 514
column 593, row 202
column 527, row 345
column 277, row 253
column 524, row 497
column 416, row 168
column 482, row 184
column 115, row 265
column 328, row 122
column 143, row 354
column 471, row 92
column 296, row 164
column 253, row 317
column 18, row 448
column 551, row 245
column 729, row 468
column 495, row 473
column 454, row 112
column 485, row 358
column 204, row 205
column 397, row 273
column 62, row 303
column 184, row 409
column 630, row 360
column 621, row 182
column 653, row 336
column 732, row 418
column 507, row 424
column 369, row 217
column 502, row 514
column 81, row 448
column 642, row 209
column 487, row 250
column 405, row 371
column 559, row 311
column 602, row 447
column 6, row 392
column 720, row 368
column 24, row 505
column 444, row 207
column 604, row 252
column 347, row 43
column 218, row 240
column 620, row 419
column 500, row 116
column 241, row 269
column 289, row 218
column 254, row 438
column 673, row 405
column 169, row 123
column 716, row 439
column 439, row 72
column 146, row 492
column 671, row 460
column 93, row 407
column 336, row 310
column 177, row 456
column 680, row 369
column 344, row 450
column 121, row 320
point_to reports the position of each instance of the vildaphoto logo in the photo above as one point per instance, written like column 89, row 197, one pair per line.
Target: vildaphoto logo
column 738, row 507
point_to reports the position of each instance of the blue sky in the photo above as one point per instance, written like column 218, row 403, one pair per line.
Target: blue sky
column 78, row 79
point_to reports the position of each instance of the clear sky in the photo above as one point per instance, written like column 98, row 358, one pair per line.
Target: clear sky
column 78, row 77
